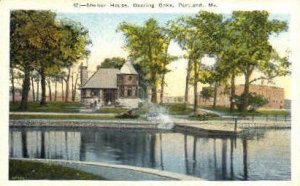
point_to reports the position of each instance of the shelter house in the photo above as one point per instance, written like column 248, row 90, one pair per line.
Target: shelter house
column 110, row 87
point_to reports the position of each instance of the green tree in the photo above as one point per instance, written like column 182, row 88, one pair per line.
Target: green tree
column 250, row 32
column 228, row 59
column 115, row 62
column 255, row 101
column 199, row 36
column 165, row 59
column 181, row 33
column 146, row 45
column 51, row 74
column 39, row 42
column 31, row 34
column 73, row 48
column 207, row 93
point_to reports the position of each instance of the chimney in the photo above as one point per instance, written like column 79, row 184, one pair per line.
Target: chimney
column 83, row 75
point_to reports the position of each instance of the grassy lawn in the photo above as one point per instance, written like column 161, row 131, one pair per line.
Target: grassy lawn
column 50, row 107
column 272, row 112
column 178, row 109
column 218, row 108
column 61, row 107
column 62, row 117
column 112, row 110
column 24, row 170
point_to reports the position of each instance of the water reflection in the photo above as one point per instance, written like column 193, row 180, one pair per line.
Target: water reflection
column 212, row 158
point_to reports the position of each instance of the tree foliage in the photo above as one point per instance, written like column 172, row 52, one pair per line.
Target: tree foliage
column 250, row 32
column 115, row 62
column 207, row 92
column 255, row 101
column 39, row 42
column 147, row 45
column 198, row 35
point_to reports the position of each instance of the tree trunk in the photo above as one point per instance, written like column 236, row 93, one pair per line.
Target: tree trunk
column 75, row 88
column 12, row 84
column 215, row 94
column 49, row 89
column 162, row 85
column 195, row 97
column 25, row 89
column 232, row 93
column 195, row 87
column 154, row 94
column 67, row 80
column 32, row 85
column 43, row 85
column 38, row 89
column 62, row 91
column 72, row 86
column 187, row 79
column 55, row 90
column 245, row 95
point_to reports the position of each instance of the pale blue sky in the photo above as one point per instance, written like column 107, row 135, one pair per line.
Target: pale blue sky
column 104, row 26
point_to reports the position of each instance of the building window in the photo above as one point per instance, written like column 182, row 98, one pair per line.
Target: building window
column 129, row 78
column 129, row 92
column 134, row 91
column 125, row 92
column 122, row 91
column 84, row 93
column 94, row 92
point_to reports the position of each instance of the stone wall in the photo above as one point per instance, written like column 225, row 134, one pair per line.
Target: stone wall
column 91, row 102
column 129, row 103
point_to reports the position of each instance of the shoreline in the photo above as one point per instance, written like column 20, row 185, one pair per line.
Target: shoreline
column 116, row 172
column 215, row 127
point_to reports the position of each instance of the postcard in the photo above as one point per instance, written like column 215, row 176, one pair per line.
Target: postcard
column 98, row 92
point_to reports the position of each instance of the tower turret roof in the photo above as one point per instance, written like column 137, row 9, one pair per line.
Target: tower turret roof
column 128, row 68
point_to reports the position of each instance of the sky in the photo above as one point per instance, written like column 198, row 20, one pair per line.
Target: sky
column 108, row 43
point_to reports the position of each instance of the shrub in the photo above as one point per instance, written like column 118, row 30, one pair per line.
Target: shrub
column 255, row 101
column 205, row 116
column 130, row 114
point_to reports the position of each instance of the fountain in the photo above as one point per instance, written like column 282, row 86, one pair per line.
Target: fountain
column 157, row 114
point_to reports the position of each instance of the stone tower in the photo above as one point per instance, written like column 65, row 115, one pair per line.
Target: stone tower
column 128, row 81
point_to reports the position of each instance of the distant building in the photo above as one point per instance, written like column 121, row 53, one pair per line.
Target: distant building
column 222, row 98
column 287, row 104
column 275, row 96
column 110, row 87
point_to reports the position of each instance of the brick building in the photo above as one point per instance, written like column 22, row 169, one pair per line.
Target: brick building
column 222, row 98
column 275, row 96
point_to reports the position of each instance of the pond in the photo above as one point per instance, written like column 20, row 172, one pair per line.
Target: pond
column 260, row 155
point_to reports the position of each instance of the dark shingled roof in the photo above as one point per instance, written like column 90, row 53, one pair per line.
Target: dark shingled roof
column 103, row 78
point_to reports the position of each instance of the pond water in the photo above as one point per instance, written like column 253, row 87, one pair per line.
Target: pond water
column 263, row 155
